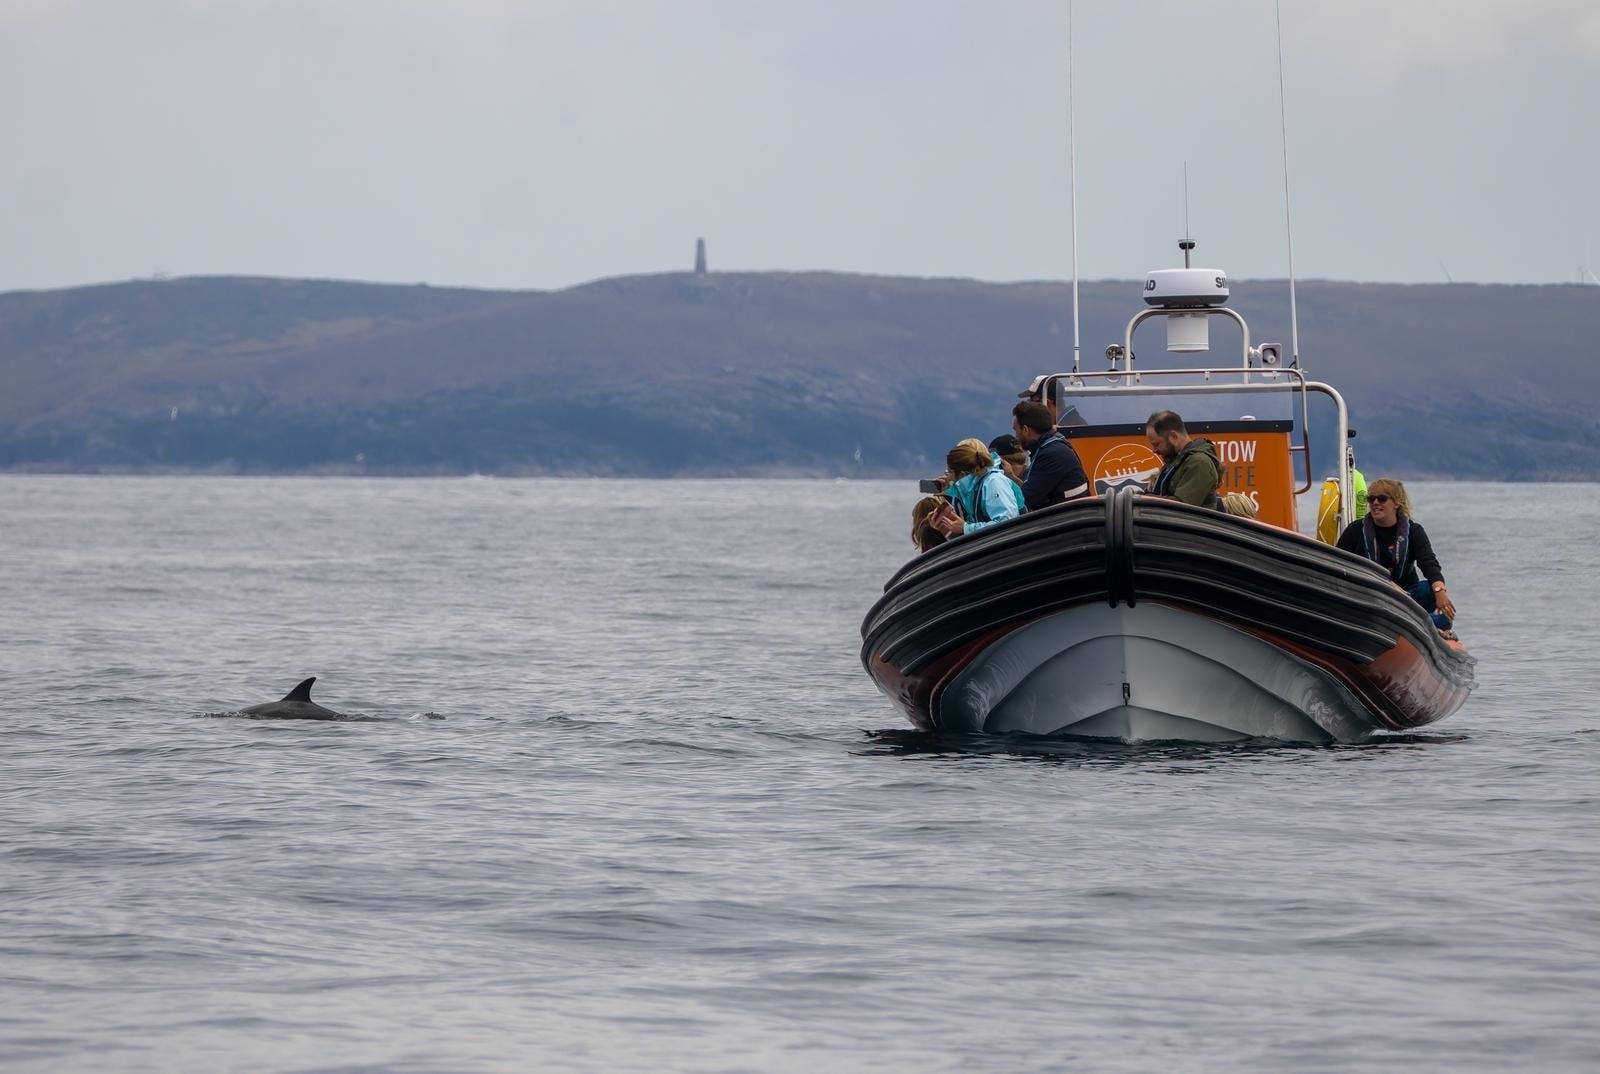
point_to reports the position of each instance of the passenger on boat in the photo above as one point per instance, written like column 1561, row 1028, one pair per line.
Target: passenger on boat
column 923, row 535
column 1067, row 418
column 1237, row 503
column 1190, row 470
column 1013, row 458
column 1393, row 540
column 980, row 493
column 996, row 465
column 1357, row 478
column 1055, row 474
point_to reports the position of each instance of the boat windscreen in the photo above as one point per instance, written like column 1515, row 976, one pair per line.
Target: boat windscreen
column 1075, row 407
column 1252, row 436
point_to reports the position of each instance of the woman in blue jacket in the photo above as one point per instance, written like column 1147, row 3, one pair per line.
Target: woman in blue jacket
column 980, row 493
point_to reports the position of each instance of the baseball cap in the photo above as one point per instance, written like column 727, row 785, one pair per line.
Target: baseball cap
column 1035, row 389
column 1006, row 444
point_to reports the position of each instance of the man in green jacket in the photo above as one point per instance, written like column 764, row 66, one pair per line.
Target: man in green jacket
column 1189, row 468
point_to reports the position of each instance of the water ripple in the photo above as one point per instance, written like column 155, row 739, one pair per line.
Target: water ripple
column 620, row 798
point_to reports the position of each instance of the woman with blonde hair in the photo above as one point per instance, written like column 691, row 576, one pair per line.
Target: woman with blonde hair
column 979, row 494
column 1392, row 539
column 1237, row 503
column 997, row 465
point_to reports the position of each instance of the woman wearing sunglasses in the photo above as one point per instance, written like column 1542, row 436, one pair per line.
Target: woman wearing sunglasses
column 1390, row 538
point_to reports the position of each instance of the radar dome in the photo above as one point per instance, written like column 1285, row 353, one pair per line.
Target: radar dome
column 1186, row 288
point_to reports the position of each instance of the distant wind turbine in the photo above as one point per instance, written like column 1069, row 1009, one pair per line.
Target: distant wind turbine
column 1447, row 277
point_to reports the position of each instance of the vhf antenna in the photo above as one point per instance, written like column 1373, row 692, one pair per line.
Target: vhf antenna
column 1072, row 141
column 1288, row 229
column 1188, row 243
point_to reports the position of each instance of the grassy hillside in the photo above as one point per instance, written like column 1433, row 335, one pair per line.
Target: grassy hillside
column 729, row 373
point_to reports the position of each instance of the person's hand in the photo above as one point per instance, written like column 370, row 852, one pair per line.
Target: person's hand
column 946, row 521
column 1442, row 601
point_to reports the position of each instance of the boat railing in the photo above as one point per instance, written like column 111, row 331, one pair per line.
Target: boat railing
column 1258, row 371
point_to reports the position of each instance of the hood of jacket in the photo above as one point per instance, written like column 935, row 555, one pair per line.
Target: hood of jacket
column 1201, row 446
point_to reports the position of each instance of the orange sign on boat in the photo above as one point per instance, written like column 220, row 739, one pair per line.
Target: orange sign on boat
column 1254, row 456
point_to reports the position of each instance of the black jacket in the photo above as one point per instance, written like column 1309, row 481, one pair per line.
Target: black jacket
column 1382, row 545
column 1054, row 473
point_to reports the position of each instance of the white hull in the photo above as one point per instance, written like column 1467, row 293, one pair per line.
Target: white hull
column 1147, row 673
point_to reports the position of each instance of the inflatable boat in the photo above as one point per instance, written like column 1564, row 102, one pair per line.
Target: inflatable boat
column 1128, row 616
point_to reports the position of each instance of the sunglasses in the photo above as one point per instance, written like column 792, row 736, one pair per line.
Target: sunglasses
column 1379, row 498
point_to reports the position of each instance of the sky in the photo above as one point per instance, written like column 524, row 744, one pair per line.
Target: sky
column 540, row 144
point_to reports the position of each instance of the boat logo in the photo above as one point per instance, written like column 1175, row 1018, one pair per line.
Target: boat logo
column 1128, row 463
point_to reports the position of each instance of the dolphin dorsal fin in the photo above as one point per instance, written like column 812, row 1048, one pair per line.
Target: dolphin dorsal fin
column 301, row 692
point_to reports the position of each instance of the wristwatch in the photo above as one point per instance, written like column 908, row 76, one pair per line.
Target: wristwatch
column 1438, row 587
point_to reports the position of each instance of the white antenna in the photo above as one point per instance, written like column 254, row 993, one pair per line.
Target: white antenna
column 1072, row 132
column 1288, row 229
column 1186, row 201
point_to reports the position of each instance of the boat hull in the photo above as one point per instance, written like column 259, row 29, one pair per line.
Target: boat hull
column 1145, row 672
column 1140, row 619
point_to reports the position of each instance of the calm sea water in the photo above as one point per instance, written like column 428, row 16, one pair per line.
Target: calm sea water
column 626, row 801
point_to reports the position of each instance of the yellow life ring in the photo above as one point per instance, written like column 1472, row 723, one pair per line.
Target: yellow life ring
column 1328, row 509
column 1328, row 512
